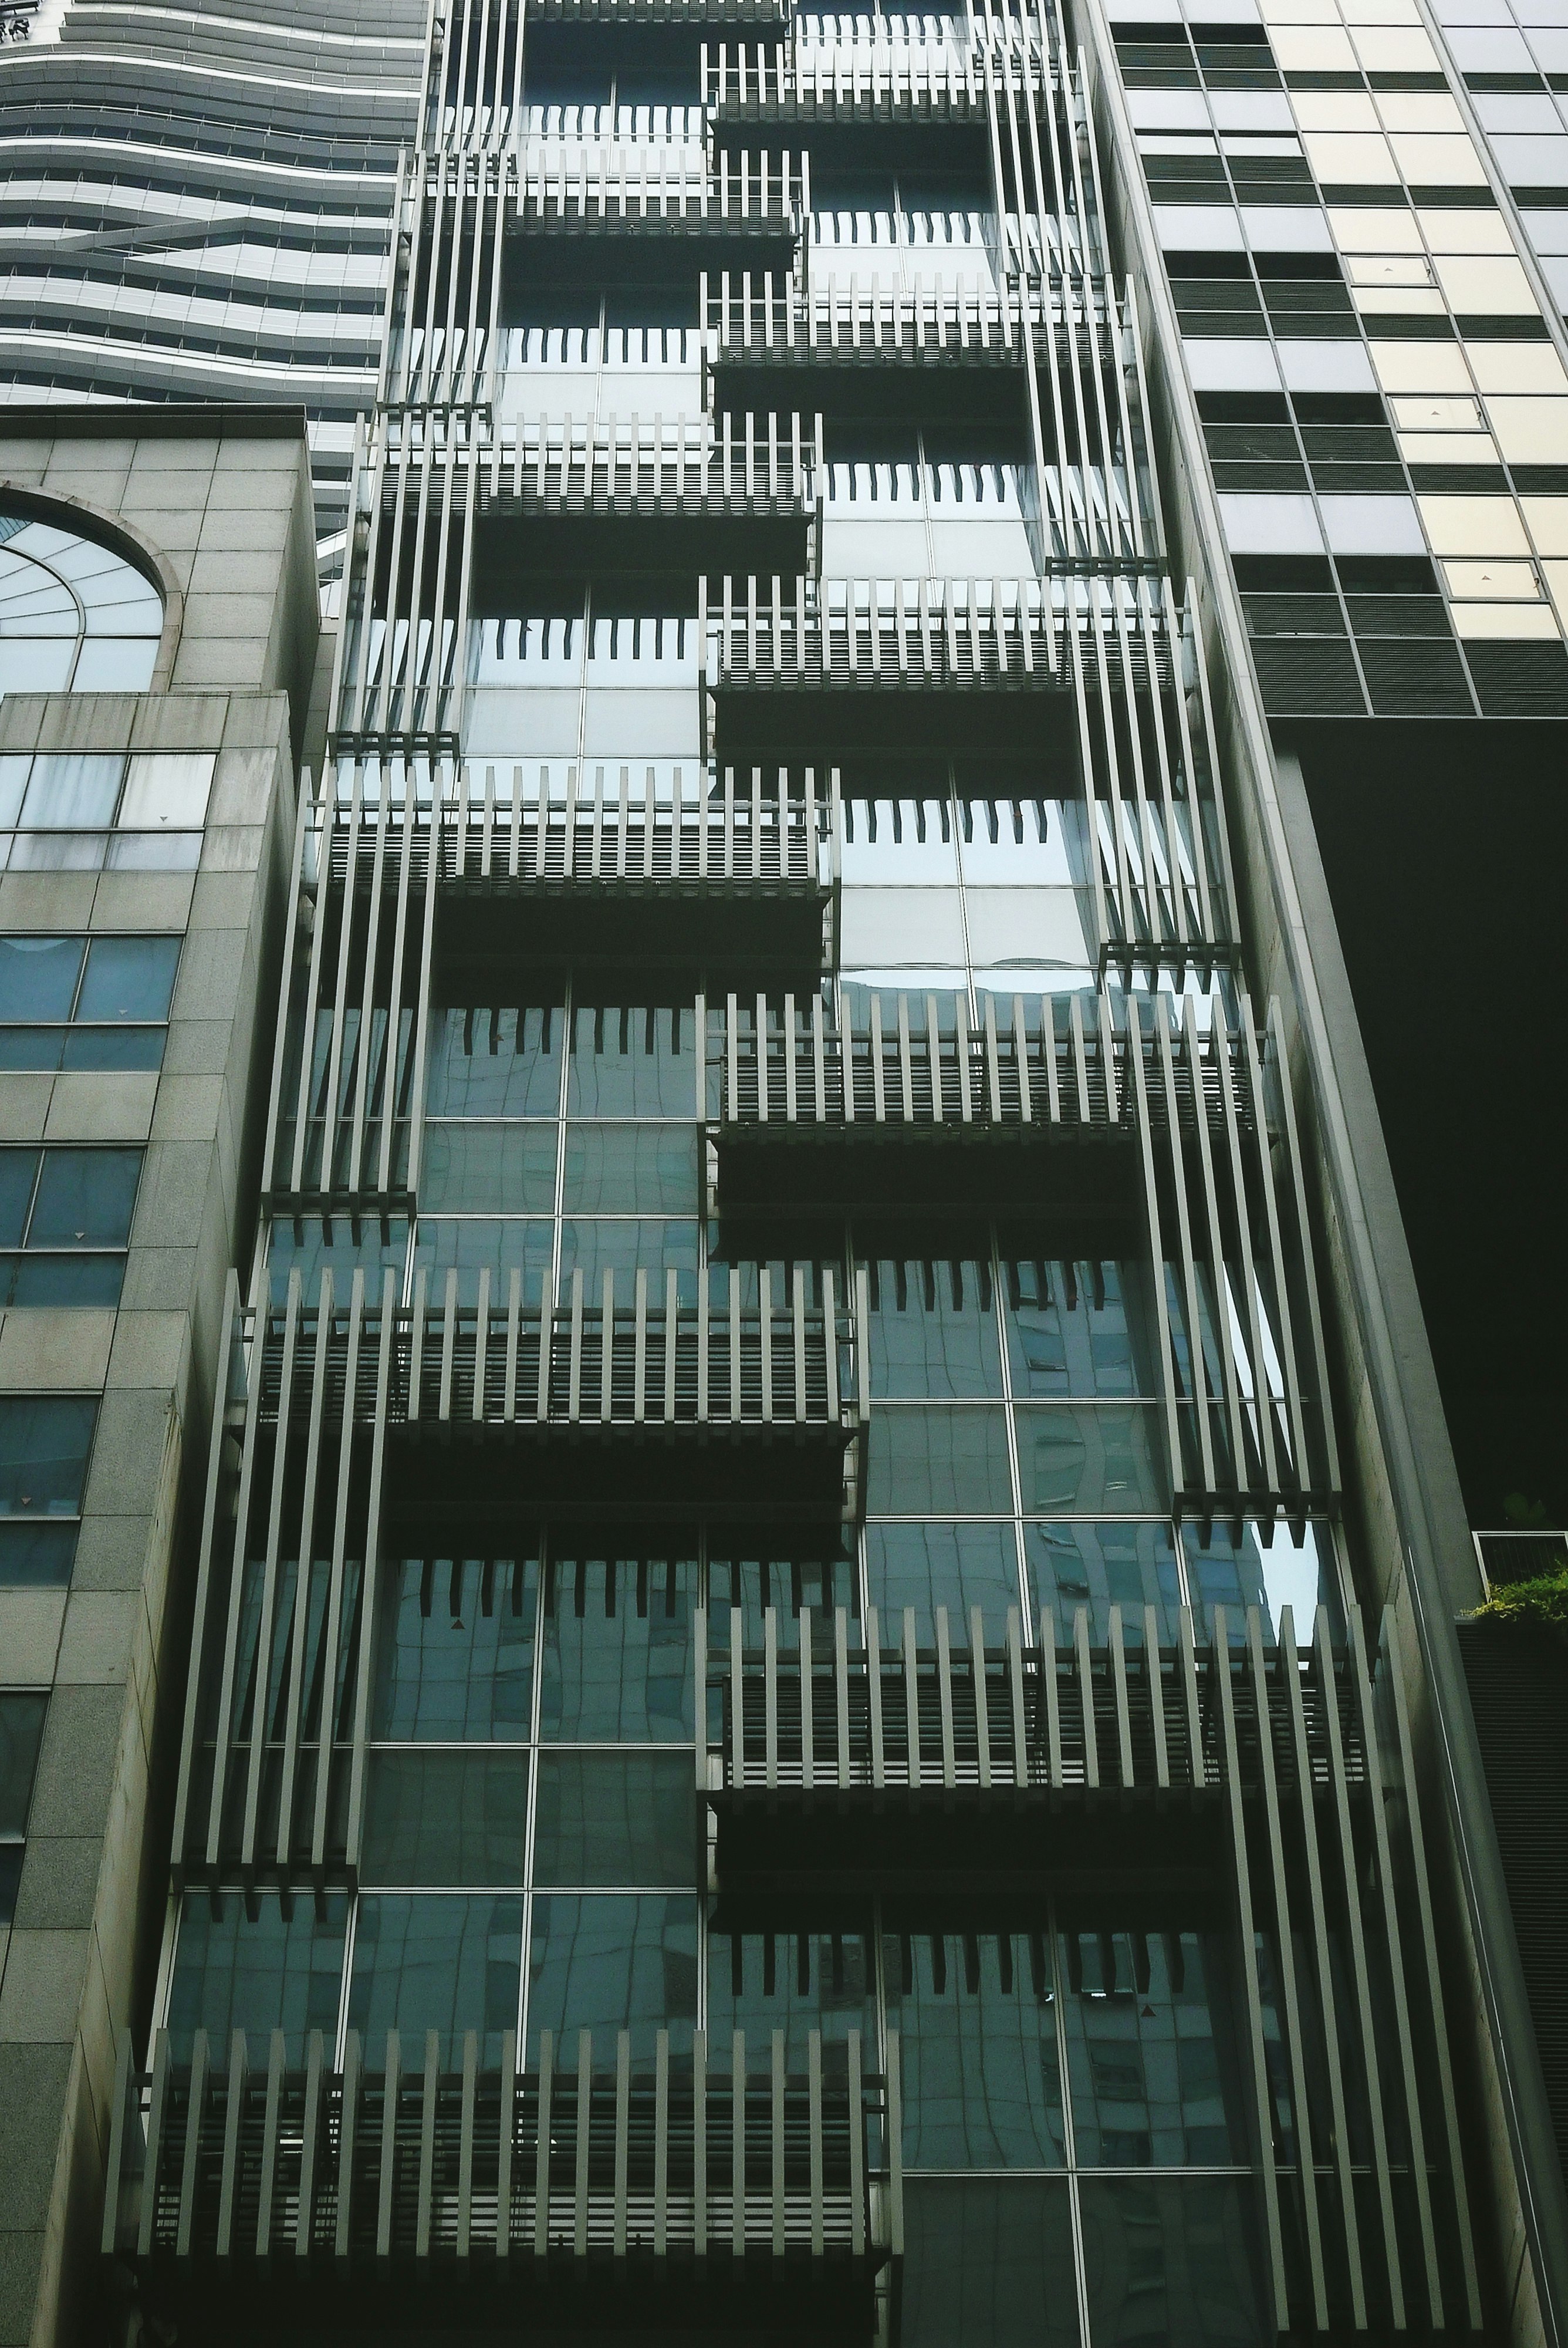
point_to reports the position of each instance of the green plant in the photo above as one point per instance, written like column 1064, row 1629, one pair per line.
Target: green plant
column 1541, row 1601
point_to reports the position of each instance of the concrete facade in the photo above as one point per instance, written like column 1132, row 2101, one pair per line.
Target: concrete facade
column 217, row 508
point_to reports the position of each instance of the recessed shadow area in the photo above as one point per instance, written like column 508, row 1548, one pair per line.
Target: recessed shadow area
column 850, row 718
column 1088, row 1187
column 1108, row 1864
column 484, row 1483
column 978, row 385
column 1444, row 849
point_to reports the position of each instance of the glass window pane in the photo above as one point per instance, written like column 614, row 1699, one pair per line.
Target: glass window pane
column 1096, row 1567
column 1149, row 2051
column 1091, row 1458
column 933, row 1328
column 930, row 1565
column 633, row 1062
column 502, row 1062
column 257, row 1973
column 618, row 1648
column 100, row 1048
column 1237, row 1573
column 615, row 1818
column 128, row 978
column 455, row 1650
column 32, row 1047
column 313, row 1249
column 71, row 792
column 1176, row 2262
column 988, row 2259
column 44, row 1441
column 1073, row 1328
column 821, row 1574
column 21, row 1733
column 625, row 1248
column 611, row 1964
column 18, row 1172
column 470, row 1245
column 930, row 1462
column 442, row 1963
column 16, row 765
column 820, row 1978
column 629, row 1169
column 168, row 787
column 488, row 1170
column 36, row 1557
column 85, row 1198
column 39, row 977
column 977, row 2022
column 446, row 1819
column 73, row 1280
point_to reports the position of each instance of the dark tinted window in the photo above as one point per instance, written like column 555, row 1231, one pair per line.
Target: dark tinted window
column 128, row 978
column 39, row 977
column 44, row 1444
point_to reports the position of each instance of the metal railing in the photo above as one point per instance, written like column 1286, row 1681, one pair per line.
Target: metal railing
column 647, row 186
column 835, row 1709
column 1516, row 1553
column 916, row 1063
column 768, row 463
column 403, row 2158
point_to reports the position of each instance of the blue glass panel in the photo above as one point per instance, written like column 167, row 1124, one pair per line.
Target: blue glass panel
column 934, row 1462
column 257, row 1973
column 495, row 1063
column 44, row 1444
column 633, row 1062
column 618, row 1648
column 988, row 2259
column 442, row 1963
column 128, row 978
column 925, row 1566
column 453, row 1658
column 1151, row 2051
column 977, row 2019
column 933, row 1328
column 1097, row 1567
column 1091, row 1457
column 629, row 1170
column 39, row 977
column 615, row 1818
column 606, row 1964
column 445, row 1819
column 796, row 1982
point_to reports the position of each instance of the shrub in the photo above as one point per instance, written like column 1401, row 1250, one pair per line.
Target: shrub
column 1540, row 1602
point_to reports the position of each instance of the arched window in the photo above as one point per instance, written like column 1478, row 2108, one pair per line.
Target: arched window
column 75, row 617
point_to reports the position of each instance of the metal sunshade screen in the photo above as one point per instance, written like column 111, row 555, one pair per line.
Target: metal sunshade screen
column 1248, row 1416
column 1287, row 1768
column 271, row 1763
column 401, row 2160
column 348, row 1075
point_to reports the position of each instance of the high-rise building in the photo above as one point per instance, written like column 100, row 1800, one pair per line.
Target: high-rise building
column 195, row 203
column 770, row 1647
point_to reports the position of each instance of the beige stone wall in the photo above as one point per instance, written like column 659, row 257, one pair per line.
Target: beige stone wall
column 229, row 521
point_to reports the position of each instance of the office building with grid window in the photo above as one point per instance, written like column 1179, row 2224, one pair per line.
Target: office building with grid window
column 775, row 1646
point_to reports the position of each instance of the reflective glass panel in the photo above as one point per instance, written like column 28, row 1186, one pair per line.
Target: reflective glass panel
column 615, row 1818
column 442, row 1963
column 455, row 1648
column 977, row 2022
column 270, row 1972
column 618, row 1648
column 611, row 1963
